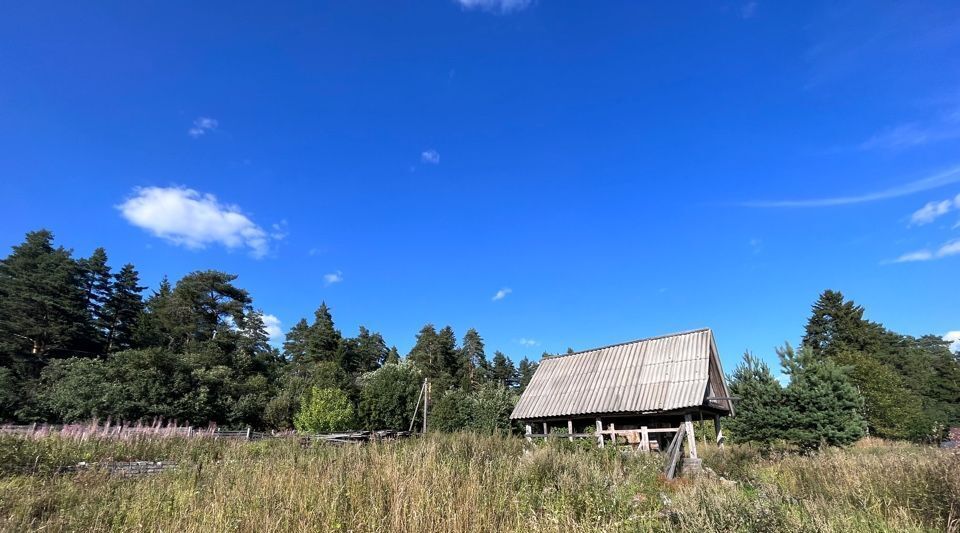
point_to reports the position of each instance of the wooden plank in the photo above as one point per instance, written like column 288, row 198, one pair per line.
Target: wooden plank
column 570, row 429
column 644, row 439
column 691, row 439
column 599, row 432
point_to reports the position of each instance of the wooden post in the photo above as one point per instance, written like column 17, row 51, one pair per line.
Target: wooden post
column 570, row 429
column 719, row 430
column 703, row 432
column 529, row 431
column 691, row 438
column 613, row 436
column 644, row 440
column 426, row 401
column 545, row 432
column 599, row 432
column 248, row 432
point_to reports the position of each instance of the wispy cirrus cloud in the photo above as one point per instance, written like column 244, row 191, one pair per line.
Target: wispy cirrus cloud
column 948, row 249
column 943, row 125
column 201, row 126
column 430, row 156
column 195, row 220
column 501, row 7
column 529, row 342
column 501, row 294
column 935, row 181
column 333, row 277
column 934, row 210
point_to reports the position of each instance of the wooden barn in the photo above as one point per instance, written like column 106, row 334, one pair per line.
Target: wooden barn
column 646, row 393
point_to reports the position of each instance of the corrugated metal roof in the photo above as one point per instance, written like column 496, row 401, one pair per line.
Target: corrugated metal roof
column 648, row 375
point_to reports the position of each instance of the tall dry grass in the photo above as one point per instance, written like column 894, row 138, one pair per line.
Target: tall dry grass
column 462, row 483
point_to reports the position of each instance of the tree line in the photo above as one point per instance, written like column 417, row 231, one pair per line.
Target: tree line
column 79, row 341
column 849, row 378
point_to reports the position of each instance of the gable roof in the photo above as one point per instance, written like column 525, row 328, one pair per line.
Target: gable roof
column 644, row 376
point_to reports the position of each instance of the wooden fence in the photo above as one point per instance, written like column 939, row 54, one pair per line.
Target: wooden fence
column 123, row 431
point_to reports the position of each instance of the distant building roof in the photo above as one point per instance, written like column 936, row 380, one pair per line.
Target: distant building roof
column 645, row 376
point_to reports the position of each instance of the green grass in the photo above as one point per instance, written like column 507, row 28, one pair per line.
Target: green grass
column 468, row 483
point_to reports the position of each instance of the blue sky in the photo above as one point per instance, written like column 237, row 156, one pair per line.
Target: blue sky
column 611, row 171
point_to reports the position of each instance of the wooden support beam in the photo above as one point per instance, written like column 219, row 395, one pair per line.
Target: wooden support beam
column 644, row 440
column 570, row 429
column 691, row 438
column 716, row 426
column 546, row 431
column 599, row 432
column 613, row 433
column 529, row 431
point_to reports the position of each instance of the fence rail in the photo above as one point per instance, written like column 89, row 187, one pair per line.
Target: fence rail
column 123, row 431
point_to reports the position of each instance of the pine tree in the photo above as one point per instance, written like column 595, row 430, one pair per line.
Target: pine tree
column 122, row 309
column 371, row 351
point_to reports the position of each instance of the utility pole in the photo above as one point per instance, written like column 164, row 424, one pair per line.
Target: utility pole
column 426, row 402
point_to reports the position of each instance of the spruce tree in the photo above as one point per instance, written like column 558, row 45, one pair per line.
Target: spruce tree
column 425, row 354
column 323, row 338
column 761, row 413
column 473, row 359
column 122, row 309
column 525, row 371
column 43, row 305
column 823, row 407
column 295, row 346
column 393, row 357
column 504, row 373
column 98, row 287
column 835, row 325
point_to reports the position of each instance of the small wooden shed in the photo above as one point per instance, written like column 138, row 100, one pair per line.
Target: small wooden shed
column 644, row 392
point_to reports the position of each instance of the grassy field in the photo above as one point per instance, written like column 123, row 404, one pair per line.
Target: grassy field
column 468, row 483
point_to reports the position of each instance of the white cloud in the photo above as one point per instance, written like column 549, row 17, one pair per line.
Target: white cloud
column 931, row 182
column 430, row 156
column 933, row 210
column 188, row 218
column 274, row 329
column 502, row 293
column 201, row 126
column 333, row 277
column 748, row 10
column 948, row 249
column 529, row 342
column 919, row 255
column 495, row 6
column 953, row 337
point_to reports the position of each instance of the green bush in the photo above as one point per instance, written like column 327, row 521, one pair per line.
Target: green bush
column 324, row 410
